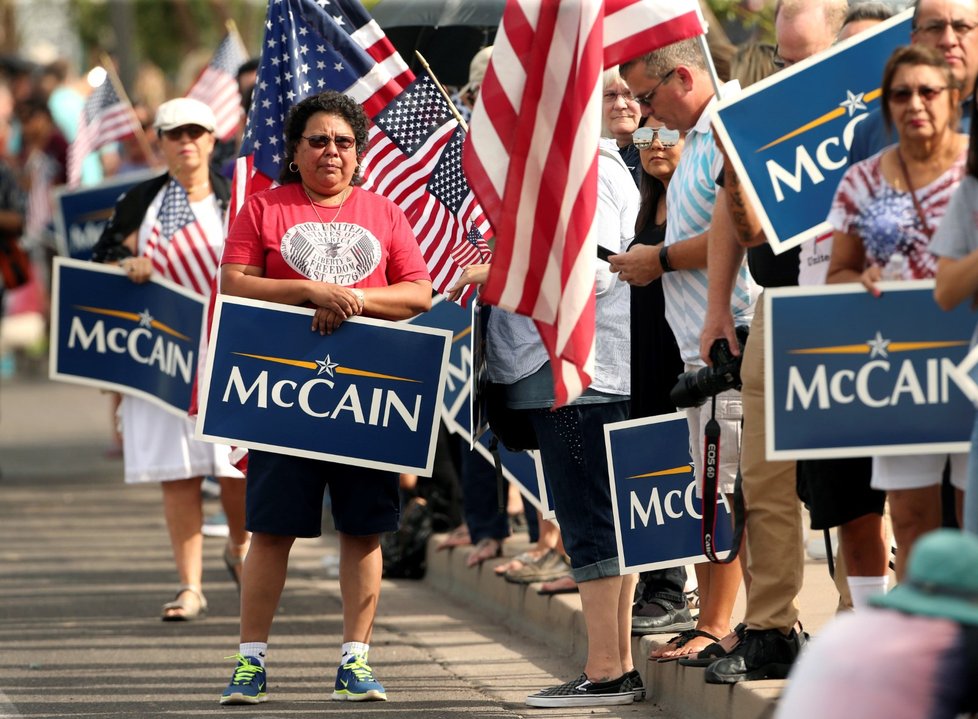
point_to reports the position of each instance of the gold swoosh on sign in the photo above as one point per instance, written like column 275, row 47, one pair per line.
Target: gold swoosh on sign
column 134, row 316
column 312, row 365
column 664, row 472
column 892, row 347
column 827, row 117
column 464, row 333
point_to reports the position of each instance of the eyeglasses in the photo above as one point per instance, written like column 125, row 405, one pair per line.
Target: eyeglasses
column 318, row 142
column 611, row 97
column 938, row 28
column 646, row 99
column 194, row 132
column 643, row 137
column 902, row 95
column 778, row 61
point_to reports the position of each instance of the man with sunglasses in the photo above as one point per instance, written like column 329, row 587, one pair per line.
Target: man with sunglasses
column 950, row 26
column 771, row 639
column 674, row 86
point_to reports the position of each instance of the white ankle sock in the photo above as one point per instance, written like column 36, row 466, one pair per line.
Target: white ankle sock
column 352, row 649
column 862, row 588
column 258, row 650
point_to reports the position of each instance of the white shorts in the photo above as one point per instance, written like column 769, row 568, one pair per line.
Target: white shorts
column 158, row 446
column 916, row 471
column 729, row 413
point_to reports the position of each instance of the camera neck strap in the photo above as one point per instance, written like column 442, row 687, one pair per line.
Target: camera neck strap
column 711, row 469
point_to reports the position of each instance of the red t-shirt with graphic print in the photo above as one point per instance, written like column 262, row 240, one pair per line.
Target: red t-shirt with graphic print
column 367, row 242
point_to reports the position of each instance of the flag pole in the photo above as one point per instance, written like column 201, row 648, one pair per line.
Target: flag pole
column 705, row 48
column 444, row 93
column 121, row 92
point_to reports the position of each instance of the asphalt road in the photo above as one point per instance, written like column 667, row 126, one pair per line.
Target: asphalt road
column 85, row 566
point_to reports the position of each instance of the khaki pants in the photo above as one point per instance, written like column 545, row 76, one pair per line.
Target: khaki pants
column 775, row 545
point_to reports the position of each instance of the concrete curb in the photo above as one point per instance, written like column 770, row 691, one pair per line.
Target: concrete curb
column 558, row 622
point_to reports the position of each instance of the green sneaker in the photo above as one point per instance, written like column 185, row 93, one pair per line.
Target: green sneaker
column 247, row 683
column 355, row 683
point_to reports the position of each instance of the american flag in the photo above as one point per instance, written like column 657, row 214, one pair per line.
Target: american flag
column 105, row 118
column 414, row 157
column 217, row 84
column 178, row 246
column 532, row 158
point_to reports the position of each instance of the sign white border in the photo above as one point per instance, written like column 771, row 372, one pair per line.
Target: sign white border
column 53, row 372
column 436, row 418
column 853, row 288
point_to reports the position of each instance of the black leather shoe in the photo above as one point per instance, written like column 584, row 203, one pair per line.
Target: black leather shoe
column 763, row 654
column 658, row 616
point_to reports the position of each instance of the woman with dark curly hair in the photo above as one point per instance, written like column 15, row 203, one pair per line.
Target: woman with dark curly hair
column 319, row 241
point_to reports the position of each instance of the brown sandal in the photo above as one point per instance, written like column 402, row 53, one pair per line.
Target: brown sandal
column 180, row 604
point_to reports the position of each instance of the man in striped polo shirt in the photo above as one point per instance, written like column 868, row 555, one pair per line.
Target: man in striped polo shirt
column 674, row 86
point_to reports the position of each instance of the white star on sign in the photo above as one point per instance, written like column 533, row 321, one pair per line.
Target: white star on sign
column 145, row 318
column 877, row 346
column 853, row 102
column 326, row 365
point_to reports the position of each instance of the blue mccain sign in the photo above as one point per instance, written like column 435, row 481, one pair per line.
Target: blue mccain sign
column 368, row 394
column 852, row 375
column 789, row 135
column 108, row 332
column 82, row 213
column 658, row 519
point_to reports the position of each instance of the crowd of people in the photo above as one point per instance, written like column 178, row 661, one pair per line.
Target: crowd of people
column 686, row 265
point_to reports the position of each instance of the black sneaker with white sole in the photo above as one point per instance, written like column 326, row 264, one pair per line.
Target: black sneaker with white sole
column 634, row 680
column 582, row 692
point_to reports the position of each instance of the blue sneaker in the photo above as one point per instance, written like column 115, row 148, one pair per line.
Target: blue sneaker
column 247, row 683
column 355, row 683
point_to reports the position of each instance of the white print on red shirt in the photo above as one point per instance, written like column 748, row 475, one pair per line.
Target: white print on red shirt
column 338, row 252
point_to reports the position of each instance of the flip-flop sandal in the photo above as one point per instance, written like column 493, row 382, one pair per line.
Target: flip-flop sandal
column 682, row 640
column 180, row 603
column 458, row 537
column 715, row 651
column 522, row 558
column 563, row 585
column 487, row 548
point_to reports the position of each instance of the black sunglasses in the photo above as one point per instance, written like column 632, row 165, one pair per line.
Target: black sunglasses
column 194, row 132
column 318, row 142
column 901, row 95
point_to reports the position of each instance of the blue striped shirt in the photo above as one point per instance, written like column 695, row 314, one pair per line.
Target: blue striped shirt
column 690, row 200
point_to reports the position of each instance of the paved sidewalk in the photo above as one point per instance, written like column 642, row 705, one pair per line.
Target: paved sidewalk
column 85, row 566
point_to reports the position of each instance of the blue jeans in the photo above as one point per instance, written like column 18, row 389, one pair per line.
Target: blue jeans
column 480, row 497
column 573, row 452
column 971, row 492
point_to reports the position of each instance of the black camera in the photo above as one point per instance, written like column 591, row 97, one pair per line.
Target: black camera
column 695, row 387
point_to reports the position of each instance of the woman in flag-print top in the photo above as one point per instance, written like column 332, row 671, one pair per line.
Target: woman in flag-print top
column 172, row 226
column 884, row 215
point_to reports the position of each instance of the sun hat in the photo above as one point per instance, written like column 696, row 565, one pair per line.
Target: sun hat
column 941, row 580
column 184, row 111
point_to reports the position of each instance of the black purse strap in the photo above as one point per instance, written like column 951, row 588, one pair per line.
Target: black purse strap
column 710, row 494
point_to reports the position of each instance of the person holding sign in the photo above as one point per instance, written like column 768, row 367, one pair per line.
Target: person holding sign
column 320, row 241
column 884, row 215
column 173, row 226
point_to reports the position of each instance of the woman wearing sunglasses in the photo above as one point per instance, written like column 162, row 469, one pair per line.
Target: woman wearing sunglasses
column 157, row 445
column 320, row 241
column 884, row 215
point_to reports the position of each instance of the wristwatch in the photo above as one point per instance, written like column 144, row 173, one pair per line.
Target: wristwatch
column 664, row 259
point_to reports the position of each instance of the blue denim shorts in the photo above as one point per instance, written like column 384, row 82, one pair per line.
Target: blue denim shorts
column 572, row 449
column 284, row 496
